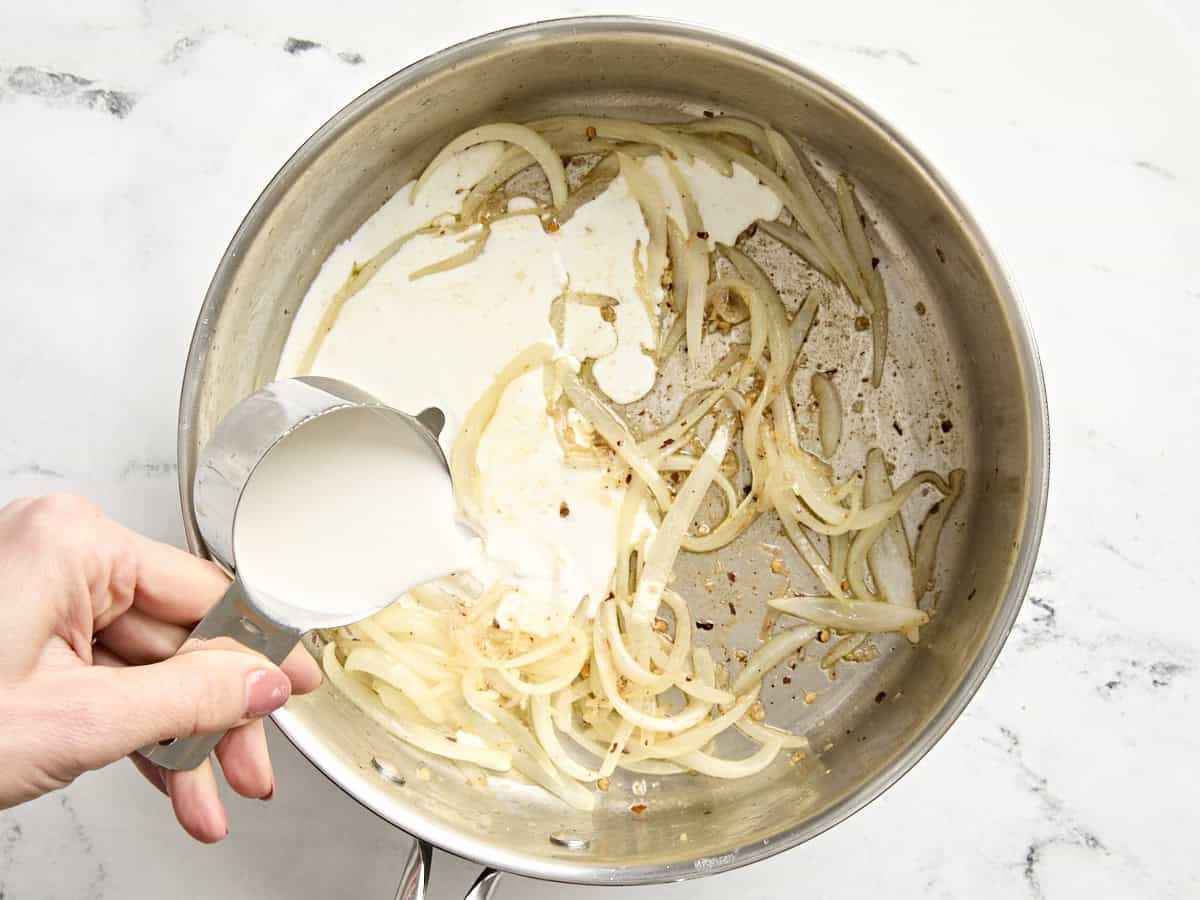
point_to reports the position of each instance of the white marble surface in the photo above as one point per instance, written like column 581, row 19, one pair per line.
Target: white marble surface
column 134, row 135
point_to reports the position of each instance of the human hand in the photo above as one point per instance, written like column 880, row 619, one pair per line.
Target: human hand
column 92, row 614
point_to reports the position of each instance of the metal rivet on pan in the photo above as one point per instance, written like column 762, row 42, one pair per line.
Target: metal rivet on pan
column 570, row 841
column 387, row 771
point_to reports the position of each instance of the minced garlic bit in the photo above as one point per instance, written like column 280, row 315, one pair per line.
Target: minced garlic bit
column 661, row 626
column 757, row 711
column 796, row 758
column 638, row 808
column 424, row 774
column 810, row 697
column 602, row 784
column 776, row 566
column 683, row 837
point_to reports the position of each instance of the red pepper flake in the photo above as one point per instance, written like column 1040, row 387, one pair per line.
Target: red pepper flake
column 731, row 576
column 874, row 262
column 703, row 235
column 787, row 679
column 732, row 609
column 563, row 509
column 590, row 131
column 705, row 626
column 638, row 808
column 613, row 748
column 552, row 226
column 881, row 696
column 709, row 114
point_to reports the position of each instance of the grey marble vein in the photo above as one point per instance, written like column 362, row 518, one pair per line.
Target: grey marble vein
column 83, row 841
column 34, row 469
column 139, row 468
column 68, row 89
column 296, row 46
column 1161, row 171
column 1060, row 825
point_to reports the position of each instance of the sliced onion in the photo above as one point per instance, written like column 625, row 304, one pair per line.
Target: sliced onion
column 512, row 161
column 654, row 210
column 660, row 557
column 829, row 414
column 696, row 711
column 396, row 673
column 930, row 531
column 696, row 738
column 733, row 768
column 856, row 237
column 802, row 321
column 850, row 615
column 502, row 727
column 525, row 138
column 843, row 648
column 477, row 241
column 695, row 261
column 419, row 736
column 618, row 130
column 743, row 128
column 610, row 426
column 464, row 468
column 771, row 654
column 888, row 558
column 800, row 244
column 662, row 443
column 543, row 729
column 815, row 219
column 763, row 733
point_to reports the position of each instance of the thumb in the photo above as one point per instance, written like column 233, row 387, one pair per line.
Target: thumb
column 197, row 692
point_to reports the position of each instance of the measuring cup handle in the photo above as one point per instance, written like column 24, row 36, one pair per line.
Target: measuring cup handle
column 235, row 617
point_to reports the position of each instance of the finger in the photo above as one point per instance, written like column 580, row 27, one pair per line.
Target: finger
column 246, row 762
column 151, row 772
column 197, row 803
column 173, row 585
column 303, row 670
column 101, row 656
column 202, row 692
column 140, row 639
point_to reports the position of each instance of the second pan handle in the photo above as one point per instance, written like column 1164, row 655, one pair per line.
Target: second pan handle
column 414, row 883
column 235, row 617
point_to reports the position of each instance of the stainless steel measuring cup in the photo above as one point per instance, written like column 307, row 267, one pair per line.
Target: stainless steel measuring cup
column 242, row 440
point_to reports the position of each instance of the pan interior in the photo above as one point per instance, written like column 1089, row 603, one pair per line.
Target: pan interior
column 954, row 394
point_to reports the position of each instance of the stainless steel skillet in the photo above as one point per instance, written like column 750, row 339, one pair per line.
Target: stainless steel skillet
column 965, row 389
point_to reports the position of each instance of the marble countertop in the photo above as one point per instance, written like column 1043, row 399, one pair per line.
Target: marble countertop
column 133, row 137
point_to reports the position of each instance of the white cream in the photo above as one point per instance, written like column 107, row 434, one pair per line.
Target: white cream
column 441, row 341
column 550, row 527
column 327, row 526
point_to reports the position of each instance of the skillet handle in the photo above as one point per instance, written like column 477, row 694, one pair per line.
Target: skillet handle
column 415, row 881
column 236, row 617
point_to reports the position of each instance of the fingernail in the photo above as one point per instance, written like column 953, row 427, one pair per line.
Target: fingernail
column 266, row 691
column 269, row 794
